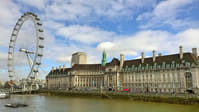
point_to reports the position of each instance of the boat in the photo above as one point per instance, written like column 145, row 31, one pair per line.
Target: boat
column 11, row 105
column 16, row 105
column 4, row 95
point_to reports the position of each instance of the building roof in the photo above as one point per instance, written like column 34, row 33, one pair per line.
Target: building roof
column 62, row 71
column 114, row 62
column 88, row 67
column 168, row 59
column 187, row 57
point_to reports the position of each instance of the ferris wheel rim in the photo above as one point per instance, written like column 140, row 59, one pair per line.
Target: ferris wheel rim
column 39, row 43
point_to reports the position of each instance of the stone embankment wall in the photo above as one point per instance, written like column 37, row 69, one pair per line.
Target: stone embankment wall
column 164, row 98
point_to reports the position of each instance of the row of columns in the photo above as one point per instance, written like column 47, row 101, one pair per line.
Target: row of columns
column 88, row 81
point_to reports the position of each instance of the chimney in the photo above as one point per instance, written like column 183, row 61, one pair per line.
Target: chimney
column 181, row 52
column 142, row 57
column 159, row 54
column 59, row 67
column 154, row 55
column 53, row 69
column 64, row 67
column 194, row 52
column 121, row 61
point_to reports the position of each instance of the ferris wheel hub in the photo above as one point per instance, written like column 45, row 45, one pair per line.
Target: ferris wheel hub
column 26, row 51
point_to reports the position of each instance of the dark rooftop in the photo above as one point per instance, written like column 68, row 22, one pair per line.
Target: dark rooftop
column 168, row 59
column 88, row 67
column 114, row 62
column 188, row 57
column 63, row 71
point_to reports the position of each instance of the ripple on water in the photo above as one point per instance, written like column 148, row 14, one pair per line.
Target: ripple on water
column 39, row 103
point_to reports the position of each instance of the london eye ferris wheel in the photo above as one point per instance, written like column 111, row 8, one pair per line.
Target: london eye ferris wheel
column 32, row 54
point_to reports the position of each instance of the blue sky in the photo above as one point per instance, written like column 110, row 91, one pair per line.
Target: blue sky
column 118, row 26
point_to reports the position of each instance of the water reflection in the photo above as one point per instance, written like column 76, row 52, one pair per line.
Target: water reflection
column 39, row 103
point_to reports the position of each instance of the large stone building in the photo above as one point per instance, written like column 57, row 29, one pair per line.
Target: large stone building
column 163, row 74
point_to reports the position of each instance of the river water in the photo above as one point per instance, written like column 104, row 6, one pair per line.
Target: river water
column 39, row 103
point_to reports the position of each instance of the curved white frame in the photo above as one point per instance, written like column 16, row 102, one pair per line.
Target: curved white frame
column 39, row 44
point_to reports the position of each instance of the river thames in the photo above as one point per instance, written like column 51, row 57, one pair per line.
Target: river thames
column 39, row 103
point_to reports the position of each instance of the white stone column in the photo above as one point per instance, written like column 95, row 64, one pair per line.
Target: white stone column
column 197, row 77
column 182, row 80
column 194, row 77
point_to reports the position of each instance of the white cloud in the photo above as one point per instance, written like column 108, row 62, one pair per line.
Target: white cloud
column 66, row 10
column 63, row 59
column 20, row 61
column 61, row 53
column 169, row 8
column 9, row 13
column 85, row 34
column 4, row 37
column 131, row 45
column 52, row 25
column 166, row 13
column 39, row 4
column 26, row 37
column 144, row 16
column 86, row 10
column 188, row 38
column 3, row 60
column 106, row 46
column 149, row 40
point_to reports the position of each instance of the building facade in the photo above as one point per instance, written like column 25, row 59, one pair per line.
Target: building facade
column 174, row 73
